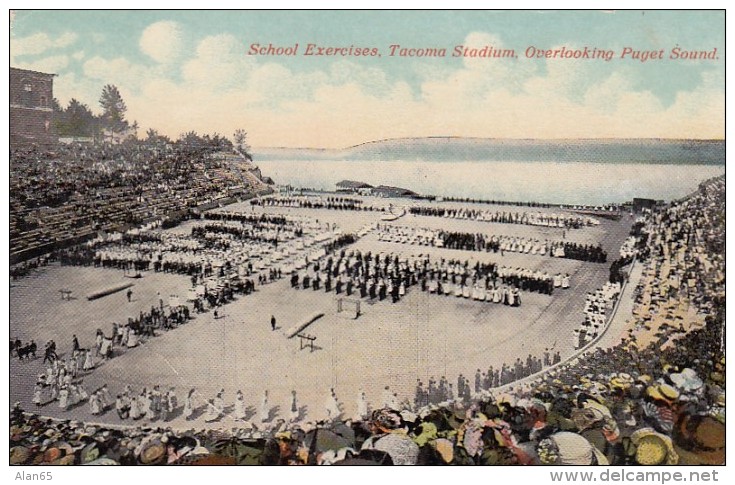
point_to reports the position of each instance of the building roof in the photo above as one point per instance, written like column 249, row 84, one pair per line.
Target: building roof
column 32, row 72
column 389, row 190
column 352, row 184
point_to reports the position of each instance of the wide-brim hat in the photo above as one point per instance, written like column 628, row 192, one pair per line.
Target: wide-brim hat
column 574, row 449
column 52, row 454
column 386, row 419
column 644, row 379
column 653, row 448
column 154, row 453
column 622, row 381
column 90, row 453
column 445, row 449
column 102, row 461
column 687, row 380
column 663, row 392
column 19, row 455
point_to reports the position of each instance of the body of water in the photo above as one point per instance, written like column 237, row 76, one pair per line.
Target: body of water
column 541, row 181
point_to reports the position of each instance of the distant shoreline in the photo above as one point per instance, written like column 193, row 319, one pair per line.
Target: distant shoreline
column 453, row 149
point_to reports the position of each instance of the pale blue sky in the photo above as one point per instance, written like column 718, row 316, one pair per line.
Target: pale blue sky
column 190, row 70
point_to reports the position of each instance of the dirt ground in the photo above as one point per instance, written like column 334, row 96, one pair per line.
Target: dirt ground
column 422, row 335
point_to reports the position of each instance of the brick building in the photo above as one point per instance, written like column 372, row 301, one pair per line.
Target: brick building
column 31, row 108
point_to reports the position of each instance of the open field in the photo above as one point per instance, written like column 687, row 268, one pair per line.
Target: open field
column 422, row 335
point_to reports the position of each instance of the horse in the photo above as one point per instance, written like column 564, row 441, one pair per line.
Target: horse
column 27, row 351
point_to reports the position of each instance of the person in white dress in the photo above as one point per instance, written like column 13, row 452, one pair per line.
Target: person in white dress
column 75, row 396
column 362, row 406
column 98, row 342
column 94, row 404
column 64, row 398
column 173, row 403
column 132, row 339
column 213, row 412
column 61, row 378
column 122, row 406
column 189, row 405
column 80, row 358
column 136, row 411
column 332, row 404
column 240, row 406
column 82, row 394
column 88, row 361
column 49, row 376
column 105, row 397
column 38, row 393
column 387, row 397
column 164, row 407
column 219, row 401
column 150, row 406
column 71, row 365
column 264, row 409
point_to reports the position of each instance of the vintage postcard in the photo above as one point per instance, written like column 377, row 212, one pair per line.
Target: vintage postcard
column 367, row 237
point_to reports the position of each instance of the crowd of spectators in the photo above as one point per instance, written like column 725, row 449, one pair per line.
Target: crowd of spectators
column 69, row 192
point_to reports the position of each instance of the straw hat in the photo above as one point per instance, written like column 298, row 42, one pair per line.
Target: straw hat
column 52, row 454
column 644, row 379
column 621, row 381
column 90, row 453
column 663, row 392
column 154, row 453
column 687, row 380
column 428, row 433
column 19, row 455
column 653, row 448
column 445, row 449
column 102, row 461
column 567, row 448
column 409, row 416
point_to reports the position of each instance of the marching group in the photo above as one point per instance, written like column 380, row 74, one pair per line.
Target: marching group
column 314, row 202
column 545, row 219
column 490, row 243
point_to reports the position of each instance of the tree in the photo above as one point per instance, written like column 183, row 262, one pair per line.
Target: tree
column 60, row 122
column 134, row 127
column 79, row 118
column 241, row 144
column 56, row 106
column 113, row 109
